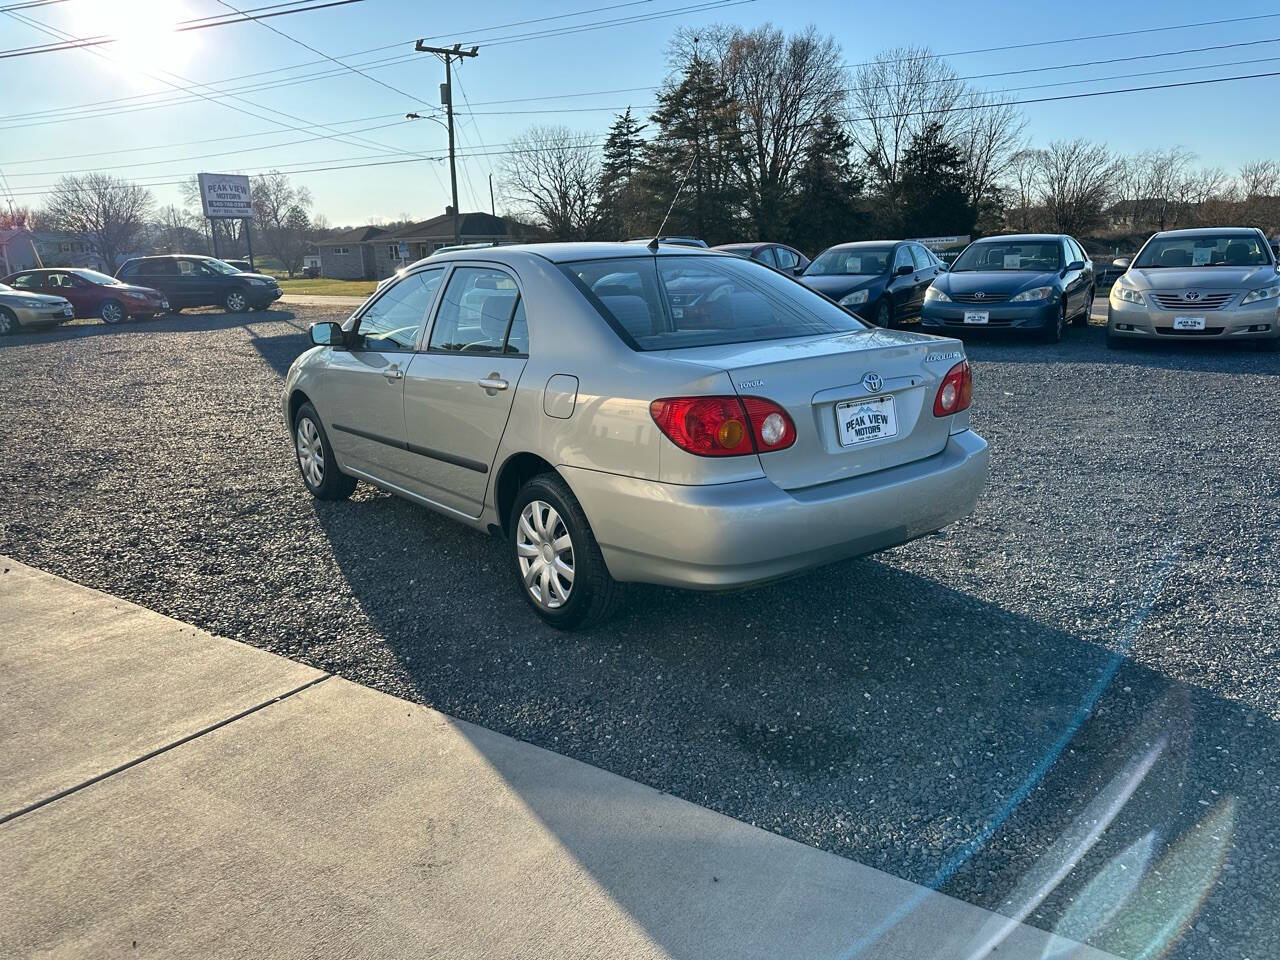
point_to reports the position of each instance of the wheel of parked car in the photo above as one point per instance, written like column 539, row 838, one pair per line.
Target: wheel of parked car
column 315, row 458
column 1082, row 320
column 555, row 556
column 8, row 322
column 1054, row 332
column 884, row 314
column 235, row 301
column 112, row 312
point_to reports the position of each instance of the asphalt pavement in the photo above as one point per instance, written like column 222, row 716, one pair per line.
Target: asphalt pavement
column 1040, row 710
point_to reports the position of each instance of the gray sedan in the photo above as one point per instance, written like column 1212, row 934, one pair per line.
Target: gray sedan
column 681, row 417
column 1213, row 283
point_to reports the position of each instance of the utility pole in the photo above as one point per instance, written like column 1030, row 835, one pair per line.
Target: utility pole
column 446, row 97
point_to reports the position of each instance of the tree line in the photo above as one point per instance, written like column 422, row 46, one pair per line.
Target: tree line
column 774, row 138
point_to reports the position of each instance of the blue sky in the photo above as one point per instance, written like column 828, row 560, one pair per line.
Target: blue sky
column 1225, row 124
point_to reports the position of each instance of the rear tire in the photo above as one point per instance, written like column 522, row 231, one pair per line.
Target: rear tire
column 1087, row 314
column 884, row 315
column 315, row 457
column 554, row 552
column 112, row 312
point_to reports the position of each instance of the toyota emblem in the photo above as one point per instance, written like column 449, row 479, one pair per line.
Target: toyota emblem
column 1191, row 295
column 979, row 295
column 872, row 382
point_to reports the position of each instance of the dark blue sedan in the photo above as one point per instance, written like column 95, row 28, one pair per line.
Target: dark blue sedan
column 1038, row 283
column 882, row 281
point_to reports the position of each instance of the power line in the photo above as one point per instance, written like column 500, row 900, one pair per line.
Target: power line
column 185, row 26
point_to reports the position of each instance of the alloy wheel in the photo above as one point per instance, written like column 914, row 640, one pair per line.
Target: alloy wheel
column 112, row 313
column 310, row 452
column 6, row 325
column 236, row 302
column 544, row 550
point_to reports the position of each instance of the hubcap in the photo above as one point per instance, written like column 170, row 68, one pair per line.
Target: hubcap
column 4, row 323
column 310, row 452
column 544, row 551
column 236, row 302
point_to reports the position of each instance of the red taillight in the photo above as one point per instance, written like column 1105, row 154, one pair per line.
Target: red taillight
column 724, row 426
column 955, row 392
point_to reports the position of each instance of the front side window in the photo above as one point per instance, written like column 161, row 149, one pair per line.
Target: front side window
column 903, row 258
column 1238, row 250
column 851, row 261
column 660, row 303
column 476, row 312
column 995, row 255
column 921, row 257
column 391, row 322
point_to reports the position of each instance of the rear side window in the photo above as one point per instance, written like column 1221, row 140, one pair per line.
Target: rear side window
column 660, row 303
column 921, row 256
column 157, row 268
column 477, row 311
column 28, row 281
column 786, row 258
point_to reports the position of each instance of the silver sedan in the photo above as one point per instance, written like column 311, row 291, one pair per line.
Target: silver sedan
column 678, row 417
column 19, row 309
column 1211, row 283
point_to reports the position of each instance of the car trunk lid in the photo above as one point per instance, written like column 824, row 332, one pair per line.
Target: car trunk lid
column 861, row 401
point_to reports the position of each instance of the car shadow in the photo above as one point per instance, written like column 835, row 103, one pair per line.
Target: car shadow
column 862, row 709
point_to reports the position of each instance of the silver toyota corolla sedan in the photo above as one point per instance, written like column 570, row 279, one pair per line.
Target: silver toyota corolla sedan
column 1216, row 283
column 681, row 417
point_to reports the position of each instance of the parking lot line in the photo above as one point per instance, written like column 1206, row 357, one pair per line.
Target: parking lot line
column 342, row 821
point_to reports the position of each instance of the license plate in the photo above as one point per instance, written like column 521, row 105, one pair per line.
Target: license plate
column 861, row 421
column 67, row 311
column 977, row 316
column 1188, row 323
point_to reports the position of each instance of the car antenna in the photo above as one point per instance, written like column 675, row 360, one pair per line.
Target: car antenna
column 653, row 244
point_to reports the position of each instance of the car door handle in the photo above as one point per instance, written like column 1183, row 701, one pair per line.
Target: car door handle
column 493, row 383
column 393, row 373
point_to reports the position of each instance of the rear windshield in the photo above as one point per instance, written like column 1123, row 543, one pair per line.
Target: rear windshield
column 660, row 303
column 1206, row 251
column 851, row 261
column 1037, row 255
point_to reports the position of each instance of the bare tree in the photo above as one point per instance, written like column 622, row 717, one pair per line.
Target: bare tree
column 1076, row 180
column 1024, row 169
column 988, row 134
column 1259, row 193
column 176, row 230
column 108, row 210
column 783, row 87
column 893, row 98
column 552, row 174
column 282, row 213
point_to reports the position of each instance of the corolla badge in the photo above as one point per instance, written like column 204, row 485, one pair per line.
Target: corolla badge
column 1192, row 295
column 872, row 382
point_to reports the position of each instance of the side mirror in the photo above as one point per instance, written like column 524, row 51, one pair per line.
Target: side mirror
column 1121, row 262
column 327, row 335
column 1075, row 265
column 903, row 270
column 942, row 267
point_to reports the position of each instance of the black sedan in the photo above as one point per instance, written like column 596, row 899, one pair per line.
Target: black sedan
column 881, row 280
column 776, row 255
column 1029, row 282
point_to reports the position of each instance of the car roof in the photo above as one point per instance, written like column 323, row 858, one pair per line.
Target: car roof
column 1207, row 231
column 853, row 245
column 569, row 251
column 744, row 246
column 1021, row 236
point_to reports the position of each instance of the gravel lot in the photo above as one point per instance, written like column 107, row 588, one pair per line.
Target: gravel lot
column 945, row 711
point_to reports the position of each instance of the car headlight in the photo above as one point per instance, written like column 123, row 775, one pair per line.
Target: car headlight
column 1265, row 293
column 853, row 299
column 933, row 293
column 1127, row 294
column 37, row 304
column 1035, row 293
column 257, row 282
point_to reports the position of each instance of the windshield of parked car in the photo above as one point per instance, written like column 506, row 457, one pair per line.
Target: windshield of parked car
column 850, row 261
column 659, row 303
column 93, row 276
column 1224, row 250
column 219, row 266
column 1036, row 255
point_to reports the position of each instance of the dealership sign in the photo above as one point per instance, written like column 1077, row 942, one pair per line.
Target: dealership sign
column 225, row 196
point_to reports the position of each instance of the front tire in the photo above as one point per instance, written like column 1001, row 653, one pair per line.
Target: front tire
column 8, row 322
column 555, row 558
column 316, row 462
column 1053, row 332
column 235, row 301
column 112, row 312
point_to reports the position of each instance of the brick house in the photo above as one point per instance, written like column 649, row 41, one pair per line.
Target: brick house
column 349, row 255
column 426, row 237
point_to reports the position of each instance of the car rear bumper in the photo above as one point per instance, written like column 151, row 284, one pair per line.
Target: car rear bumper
column 1259, row 321
column 736, row 534
column 1001, row 316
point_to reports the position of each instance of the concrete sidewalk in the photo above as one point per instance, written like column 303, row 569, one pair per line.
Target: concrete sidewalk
column 167, row 793
column 337, row 301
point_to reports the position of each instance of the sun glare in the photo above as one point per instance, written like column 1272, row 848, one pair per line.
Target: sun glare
column 145, row 31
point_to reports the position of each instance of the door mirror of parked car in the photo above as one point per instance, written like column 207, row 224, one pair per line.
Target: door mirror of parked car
column 328, row 335
column 905, row 269
column 1075, row 265
column 1121, row 262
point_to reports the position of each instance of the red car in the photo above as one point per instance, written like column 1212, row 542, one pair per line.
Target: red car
column 93, row 294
